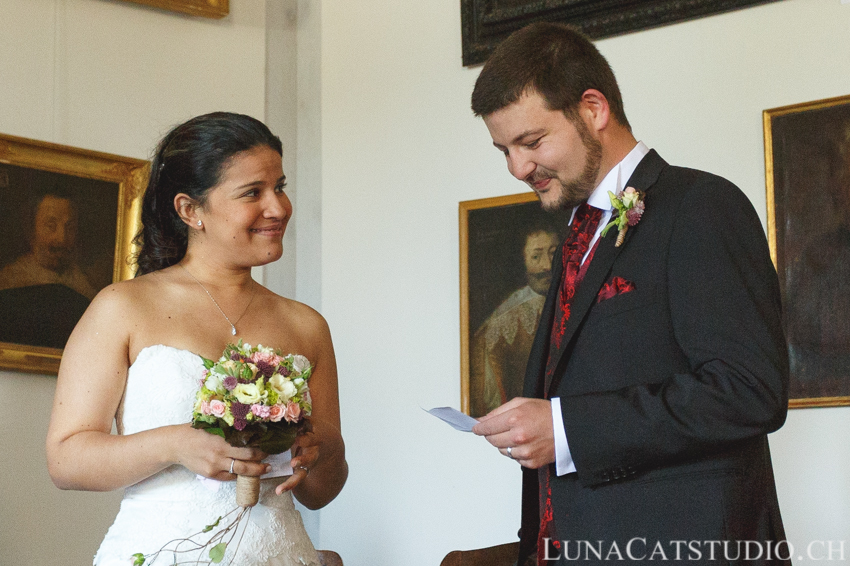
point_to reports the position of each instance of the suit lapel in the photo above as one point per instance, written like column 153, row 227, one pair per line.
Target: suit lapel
column 647, row 171
column 644, row 176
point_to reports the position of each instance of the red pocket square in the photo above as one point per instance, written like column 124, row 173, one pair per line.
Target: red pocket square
column 615, row 286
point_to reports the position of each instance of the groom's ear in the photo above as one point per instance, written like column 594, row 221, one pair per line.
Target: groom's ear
column 594, row 110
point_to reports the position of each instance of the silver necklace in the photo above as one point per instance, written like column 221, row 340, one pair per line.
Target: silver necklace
column 232, row 324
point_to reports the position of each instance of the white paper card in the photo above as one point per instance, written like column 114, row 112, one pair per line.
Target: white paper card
column 281, row 465
column 454, row 417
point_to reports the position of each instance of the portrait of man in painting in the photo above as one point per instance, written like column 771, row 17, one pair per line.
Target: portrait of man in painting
column 58, row 250
column 509, row 271
column 811, row 186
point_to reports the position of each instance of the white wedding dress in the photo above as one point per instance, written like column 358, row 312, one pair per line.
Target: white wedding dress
column 174, row 503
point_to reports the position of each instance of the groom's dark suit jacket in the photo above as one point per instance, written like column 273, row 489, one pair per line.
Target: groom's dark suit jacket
column 668, row 391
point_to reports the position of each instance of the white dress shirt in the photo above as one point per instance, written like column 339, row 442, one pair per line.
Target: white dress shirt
column 614, row 181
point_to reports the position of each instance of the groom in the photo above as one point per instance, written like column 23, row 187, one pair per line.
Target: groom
column 659, row 364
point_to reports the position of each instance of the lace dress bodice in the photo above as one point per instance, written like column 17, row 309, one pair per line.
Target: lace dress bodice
column 160, row 391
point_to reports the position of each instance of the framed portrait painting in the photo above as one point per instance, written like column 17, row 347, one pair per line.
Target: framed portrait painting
column 807, row 159
column 506, row 249
column 485, row 23
column 67, row 220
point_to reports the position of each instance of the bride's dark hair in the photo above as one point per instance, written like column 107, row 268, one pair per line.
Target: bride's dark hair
column 190, row 160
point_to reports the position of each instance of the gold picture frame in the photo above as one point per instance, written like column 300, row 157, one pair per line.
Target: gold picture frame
column 103, row 193
column 807, row 174
column 204, row 8
column 495, row 289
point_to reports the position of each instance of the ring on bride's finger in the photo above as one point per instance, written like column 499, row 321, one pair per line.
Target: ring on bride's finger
column 306, row 470
column 511, row 456
column 232, row 461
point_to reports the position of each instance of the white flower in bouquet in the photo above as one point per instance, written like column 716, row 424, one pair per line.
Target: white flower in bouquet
column 213, row 382
column 284, row 387
column 300, row 363
column 247, row 393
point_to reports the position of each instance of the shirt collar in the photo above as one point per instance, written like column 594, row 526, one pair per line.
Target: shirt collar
column 616, row 178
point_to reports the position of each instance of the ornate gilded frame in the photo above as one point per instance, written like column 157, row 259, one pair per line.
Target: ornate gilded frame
column 806, row 146
column 485, row 23
column 205, row 8
column 127, row 174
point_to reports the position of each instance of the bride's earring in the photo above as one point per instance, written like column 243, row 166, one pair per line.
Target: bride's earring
column 200, row 223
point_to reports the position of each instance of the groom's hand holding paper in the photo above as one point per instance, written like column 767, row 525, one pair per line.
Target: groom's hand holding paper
column 523, row 425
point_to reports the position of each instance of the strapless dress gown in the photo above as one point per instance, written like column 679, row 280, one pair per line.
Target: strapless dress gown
column 161, row 387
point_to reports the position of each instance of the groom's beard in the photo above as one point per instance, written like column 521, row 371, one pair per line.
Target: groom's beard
column 574, row 192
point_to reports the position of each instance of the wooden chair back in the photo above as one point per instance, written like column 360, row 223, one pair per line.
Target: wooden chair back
column 501, row 555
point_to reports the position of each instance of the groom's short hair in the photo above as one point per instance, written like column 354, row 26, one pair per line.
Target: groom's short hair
column 554, row 60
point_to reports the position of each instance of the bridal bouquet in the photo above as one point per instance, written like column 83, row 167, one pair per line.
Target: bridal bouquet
column 252, row 396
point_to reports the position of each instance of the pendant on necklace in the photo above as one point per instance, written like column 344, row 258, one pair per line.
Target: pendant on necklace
column 232, row 330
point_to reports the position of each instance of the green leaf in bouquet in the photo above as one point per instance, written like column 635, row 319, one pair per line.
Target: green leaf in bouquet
column 216, row 431
column 246, row 437
column 138, row 559
column 276, row 441
column 231, row 348
column 217, row 552
column 204, row 421
column 280, row 436
column 208, row 364
column 247, row 373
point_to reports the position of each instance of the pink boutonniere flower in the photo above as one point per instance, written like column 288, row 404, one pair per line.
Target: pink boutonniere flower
column 628, row 206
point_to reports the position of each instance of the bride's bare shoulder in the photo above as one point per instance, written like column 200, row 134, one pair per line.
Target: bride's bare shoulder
column 301, row 316
column 113, row 317
column 130, row 298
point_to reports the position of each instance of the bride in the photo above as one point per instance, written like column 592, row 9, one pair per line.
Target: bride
column 214, row 208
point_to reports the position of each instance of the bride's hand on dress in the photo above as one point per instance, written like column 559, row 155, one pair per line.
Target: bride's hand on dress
column 211, row 456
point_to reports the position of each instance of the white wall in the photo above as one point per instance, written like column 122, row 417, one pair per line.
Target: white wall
column 108, row 76
column 400, row 148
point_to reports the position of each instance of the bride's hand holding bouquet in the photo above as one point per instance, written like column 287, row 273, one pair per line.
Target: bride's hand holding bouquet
column 254, row 397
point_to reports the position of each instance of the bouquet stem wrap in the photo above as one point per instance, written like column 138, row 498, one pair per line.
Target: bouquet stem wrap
column 247, row 490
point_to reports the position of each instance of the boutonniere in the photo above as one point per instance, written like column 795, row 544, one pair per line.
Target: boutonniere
column 629, row 207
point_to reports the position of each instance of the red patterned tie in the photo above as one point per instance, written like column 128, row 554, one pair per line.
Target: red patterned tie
column 575, row 246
